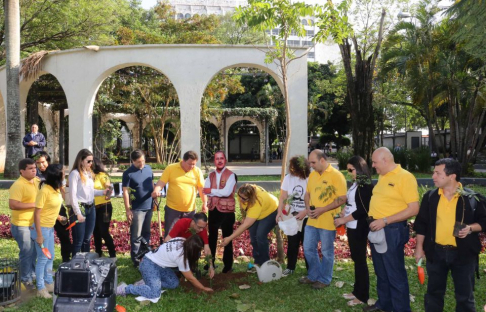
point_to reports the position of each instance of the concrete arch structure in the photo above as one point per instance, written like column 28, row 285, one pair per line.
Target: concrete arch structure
column 190, row 68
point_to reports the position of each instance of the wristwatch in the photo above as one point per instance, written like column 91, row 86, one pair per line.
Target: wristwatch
column 386, row 222
column 470, row 230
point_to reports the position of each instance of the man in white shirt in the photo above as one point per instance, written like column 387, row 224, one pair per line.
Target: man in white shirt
column 220, row 188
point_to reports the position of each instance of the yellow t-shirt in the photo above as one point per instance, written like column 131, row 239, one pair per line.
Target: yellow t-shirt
column 319, row 183
column 181, row 195
column 25, row 192
column 446, row 218
column 49, row 200
column 100, row 182
column 393, row 192
column 263, row 207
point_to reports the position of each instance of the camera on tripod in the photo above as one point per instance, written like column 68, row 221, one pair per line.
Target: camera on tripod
column 144, row 248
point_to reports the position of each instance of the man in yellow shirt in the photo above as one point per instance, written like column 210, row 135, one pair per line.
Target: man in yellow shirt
column 394, row 200
column 446, row 249
column 184, row 179
column 326, row 192
column 21, row 201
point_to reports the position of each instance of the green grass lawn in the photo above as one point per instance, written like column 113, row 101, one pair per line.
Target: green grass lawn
column 283, row 295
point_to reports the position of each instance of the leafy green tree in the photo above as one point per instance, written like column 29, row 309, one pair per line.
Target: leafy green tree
column 470, row 16
column 65, row 24
column 229, row 32
column 284, row 14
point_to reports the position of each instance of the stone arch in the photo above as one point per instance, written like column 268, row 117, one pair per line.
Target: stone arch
column 261, row 132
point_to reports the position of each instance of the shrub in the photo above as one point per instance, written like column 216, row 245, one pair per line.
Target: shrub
column 420, row 160
column 342, row 158
column 401, row 157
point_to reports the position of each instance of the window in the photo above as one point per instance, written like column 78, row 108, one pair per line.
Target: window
column 293, row 33
column 309, row 33
column 267, row 32
column 311, row 22
column 276, row 31
column 311, row 55
column 307, row 43
column 180, row 16
column 187, row 15
column 304, row 22
column 293, row 43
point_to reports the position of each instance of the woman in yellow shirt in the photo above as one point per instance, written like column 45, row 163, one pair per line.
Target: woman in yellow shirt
column 259, row 210
column 104, row 210
column 47, row 206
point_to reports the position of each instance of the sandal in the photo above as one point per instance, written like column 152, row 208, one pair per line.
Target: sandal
column 354, row 302
column 348, row 296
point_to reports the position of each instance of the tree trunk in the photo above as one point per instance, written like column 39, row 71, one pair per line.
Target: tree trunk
column 360, row 93
column 12, row 44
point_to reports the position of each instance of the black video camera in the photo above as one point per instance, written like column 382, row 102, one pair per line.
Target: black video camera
column 144, row 248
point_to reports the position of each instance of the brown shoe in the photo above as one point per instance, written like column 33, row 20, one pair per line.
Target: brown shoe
column 50, row 287
column 319, row 285
column 43, row 294
column 305, row 280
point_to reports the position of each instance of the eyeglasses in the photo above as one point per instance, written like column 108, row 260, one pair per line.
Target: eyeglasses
column 89, row 161
column 242, row 198
column 350, row 170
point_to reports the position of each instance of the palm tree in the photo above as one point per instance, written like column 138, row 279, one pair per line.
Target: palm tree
column 12, row 43
column 410, row 50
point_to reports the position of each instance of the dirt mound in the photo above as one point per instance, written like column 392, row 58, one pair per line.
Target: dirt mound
column 220, row 281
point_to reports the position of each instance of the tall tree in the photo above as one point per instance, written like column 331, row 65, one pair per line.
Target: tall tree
column 358, row 66
column 12, row 45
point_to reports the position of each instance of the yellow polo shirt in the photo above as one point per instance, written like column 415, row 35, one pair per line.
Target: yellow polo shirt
column 181, row 195
column 49, row 200
column 263, row 207
column 25, row 192
column 318, row 183
column 446, row 218
column 100, row 182
column 393, row 192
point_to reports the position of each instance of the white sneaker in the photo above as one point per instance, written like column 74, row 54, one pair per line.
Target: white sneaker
column 287, row 272
column 120, row 290
column 43, row 293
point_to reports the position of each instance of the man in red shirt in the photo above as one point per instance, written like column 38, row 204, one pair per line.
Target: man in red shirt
column 186, row 227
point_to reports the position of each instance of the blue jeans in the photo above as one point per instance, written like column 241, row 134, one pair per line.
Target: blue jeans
column 259, row 237
column 392, row 280
column 21, row 234
column 43, row 267
column 156, row 278
column 83, row 231
column 319, row 270
column 140, row 226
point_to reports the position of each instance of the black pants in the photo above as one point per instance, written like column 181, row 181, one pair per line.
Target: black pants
column 462, row 270
column 358, row 244
column 225, row 221
column 294, row 242
column 63, row 235
column 102, row 229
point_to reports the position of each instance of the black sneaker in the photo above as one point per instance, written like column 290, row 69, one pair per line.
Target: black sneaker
column 227, row 270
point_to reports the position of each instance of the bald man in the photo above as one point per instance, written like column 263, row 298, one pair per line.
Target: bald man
column 395, row 199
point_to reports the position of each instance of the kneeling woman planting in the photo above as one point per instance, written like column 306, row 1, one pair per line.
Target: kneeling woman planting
column 157, row 268
column 259, row 209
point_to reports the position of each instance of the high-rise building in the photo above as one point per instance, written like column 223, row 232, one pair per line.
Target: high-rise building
column 322, row 52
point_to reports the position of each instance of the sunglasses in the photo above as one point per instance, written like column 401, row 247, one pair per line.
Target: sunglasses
column 242, row 198
column 89, row 161
column 351, row 170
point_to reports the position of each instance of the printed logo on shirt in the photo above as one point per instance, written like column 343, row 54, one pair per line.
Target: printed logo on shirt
column 391, row 184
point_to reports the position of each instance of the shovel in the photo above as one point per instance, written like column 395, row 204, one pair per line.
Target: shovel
column 420, row 272
column 71, row 225
column 46, row 252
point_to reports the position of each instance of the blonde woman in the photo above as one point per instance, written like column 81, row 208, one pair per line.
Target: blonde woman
column 259, row 210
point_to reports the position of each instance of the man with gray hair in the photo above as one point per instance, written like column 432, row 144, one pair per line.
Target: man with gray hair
column 394, row 200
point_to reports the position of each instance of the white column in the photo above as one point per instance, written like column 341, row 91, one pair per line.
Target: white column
column 297, row 85
column 190, row 101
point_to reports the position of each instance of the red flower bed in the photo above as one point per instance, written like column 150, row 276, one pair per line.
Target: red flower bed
column 120, row 230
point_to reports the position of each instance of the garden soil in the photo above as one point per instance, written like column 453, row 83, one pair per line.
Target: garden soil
column 221, row 281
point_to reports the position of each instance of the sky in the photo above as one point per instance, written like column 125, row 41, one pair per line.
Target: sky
column 147, row 4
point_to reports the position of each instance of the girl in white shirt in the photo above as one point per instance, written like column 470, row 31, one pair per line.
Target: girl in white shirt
column 157, row 268
column 82, row 193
